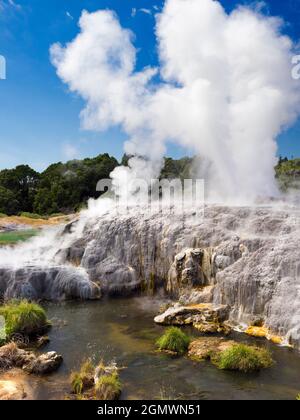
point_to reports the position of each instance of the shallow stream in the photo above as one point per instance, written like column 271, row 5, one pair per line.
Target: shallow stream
column 123, row 330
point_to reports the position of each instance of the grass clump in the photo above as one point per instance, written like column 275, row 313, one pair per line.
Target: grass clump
column 76, row 383
column 96, row 383
column 24, row 317
column 84, row 378
column 108, row 387
column 173, row 340
column 243, row 358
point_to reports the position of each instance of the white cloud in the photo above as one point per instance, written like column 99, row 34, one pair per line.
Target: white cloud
column 146, row 11
column 227, row 89
column 9, row 4
column 68, row 14
column 70, row 151
column 14, row 4
column 134, row 11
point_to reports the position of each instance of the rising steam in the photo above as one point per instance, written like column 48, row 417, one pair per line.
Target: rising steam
column 225, row 90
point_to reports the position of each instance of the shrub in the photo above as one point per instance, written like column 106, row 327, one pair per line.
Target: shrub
column 108, row 387
column 243, row 358
column 174, row 340
column 23, row 317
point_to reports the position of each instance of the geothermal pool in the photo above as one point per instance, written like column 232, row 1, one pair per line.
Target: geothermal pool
column 123, row 329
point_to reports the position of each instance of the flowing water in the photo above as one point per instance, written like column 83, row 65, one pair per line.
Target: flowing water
column 123, row 330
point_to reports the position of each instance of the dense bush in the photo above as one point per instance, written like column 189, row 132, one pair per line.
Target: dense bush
column 8, row 203
column 65, row 187
column 288, row 173
column 174, row 340
column 23, row 317
column 61, row 188
column 243, row 358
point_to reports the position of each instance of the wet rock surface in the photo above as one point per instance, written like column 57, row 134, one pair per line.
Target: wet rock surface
column 54, row 283
column 246, row 258
column 206, row 317
column 11, row 356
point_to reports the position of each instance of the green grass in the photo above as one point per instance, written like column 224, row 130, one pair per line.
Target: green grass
column 76, row 383
column 83, row 378
column 2, row 215
column 174, row 340
column 108, row 387
column 10, row 238
column 23, row 317
column 243, row 358
column 32, row 215
column 56, row 215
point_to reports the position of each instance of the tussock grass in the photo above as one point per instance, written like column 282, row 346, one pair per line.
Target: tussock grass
column 76, row 383
column 243, row 358
column 23, row 317
column 173, row 340
column 84, row 378
column 108, row 387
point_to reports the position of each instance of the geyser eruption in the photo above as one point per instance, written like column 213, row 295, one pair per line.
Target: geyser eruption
column 225, row 90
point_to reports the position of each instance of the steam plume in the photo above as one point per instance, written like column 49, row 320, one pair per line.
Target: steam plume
column 226, row 90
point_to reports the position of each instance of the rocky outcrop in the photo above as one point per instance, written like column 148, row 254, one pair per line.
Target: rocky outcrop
column 263, row 332
column 45, row 363
column 48, row 283
column 11, row 356
column 191, row 268
column 246, row 258
column 206, row 317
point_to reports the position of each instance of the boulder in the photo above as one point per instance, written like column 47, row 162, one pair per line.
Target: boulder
column 206, row 317
column 12, row 356
column 46, row 363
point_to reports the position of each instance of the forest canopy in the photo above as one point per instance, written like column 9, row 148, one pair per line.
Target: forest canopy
column 66, row 187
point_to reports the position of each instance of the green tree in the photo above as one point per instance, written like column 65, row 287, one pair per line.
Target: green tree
column 8, row 203
column 23, row 182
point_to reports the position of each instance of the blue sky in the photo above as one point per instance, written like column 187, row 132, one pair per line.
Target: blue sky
column 39, row 118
